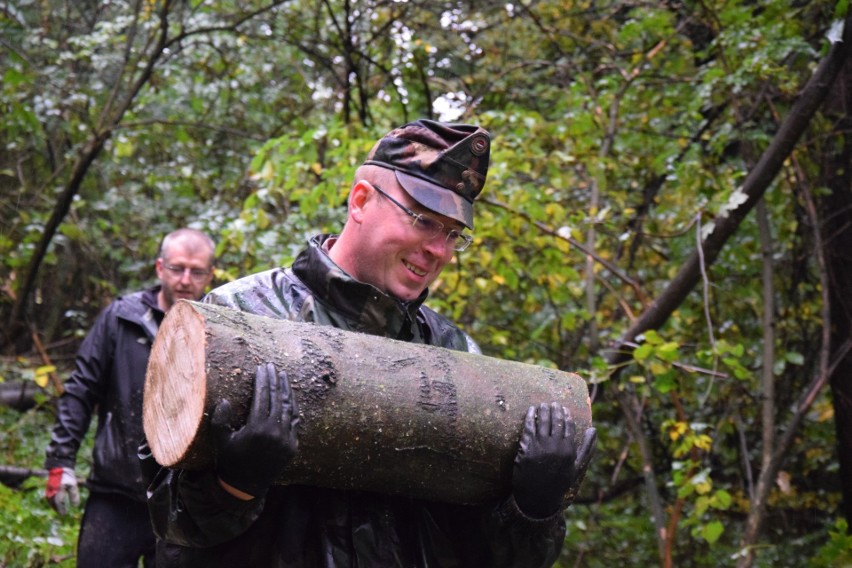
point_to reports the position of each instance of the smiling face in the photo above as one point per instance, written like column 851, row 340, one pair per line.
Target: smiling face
column 380, row 246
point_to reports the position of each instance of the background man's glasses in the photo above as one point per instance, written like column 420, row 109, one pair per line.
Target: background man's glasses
column 428, row 227
column 195, row 274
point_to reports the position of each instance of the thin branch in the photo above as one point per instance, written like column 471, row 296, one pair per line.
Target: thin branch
column 631, row 409
column 199, row 125
column 767, row 379
column 706, row 297
column 573, row 242
column 744, row 455
column 45, row 358
column 706, row 286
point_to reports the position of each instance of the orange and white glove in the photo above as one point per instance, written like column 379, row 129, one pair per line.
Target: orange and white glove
column 61, row 491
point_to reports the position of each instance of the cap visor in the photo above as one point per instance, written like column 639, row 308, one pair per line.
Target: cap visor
column 439, row 199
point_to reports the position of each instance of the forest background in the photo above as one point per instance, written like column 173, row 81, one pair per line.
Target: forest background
column 667, row 214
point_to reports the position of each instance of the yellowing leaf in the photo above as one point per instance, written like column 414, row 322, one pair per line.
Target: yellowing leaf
column 825, row 413
column 42, row 375
column 703, row 442
column 266, row 172
column 677, row 430
column 262, row 219
column 657, row 368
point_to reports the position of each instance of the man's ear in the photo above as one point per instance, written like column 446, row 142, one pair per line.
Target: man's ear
column 359, row 196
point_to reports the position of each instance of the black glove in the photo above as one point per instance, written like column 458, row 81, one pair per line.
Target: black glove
column 253, row 457
column 547, row 464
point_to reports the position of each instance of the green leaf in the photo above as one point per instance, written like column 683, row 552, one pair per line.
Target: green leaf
column 722, row 500
column 665, row 383
column 794, row 358
column 712, row 531
column 13, row 78
column 642, row 352
column 668, row 351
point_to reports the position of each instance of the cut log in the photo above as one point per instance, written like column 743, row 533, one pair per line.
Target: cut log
column 377, row 414
column 20, row 395
column 13, row 476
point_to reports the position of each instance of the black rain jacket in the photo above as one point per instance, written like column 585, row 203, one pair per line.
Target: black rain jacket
column 108, row 378
column 302, row 526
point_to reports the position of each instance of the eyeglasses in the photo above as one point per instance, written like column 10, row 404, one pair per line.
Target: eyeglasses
column 195, row 274
column 430, row 228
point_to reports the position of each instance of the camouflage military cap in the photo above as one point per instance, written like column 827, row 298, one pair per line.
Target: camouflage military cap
column 442, row 166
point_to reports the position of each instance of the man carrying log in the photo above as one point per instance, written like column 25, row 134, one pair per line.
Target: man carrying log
column 408, row 209
column 108, row 379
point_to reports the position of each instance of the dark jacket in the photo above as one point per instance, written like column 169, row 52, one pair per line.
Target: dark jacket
column 301, row 526
column 108, row 377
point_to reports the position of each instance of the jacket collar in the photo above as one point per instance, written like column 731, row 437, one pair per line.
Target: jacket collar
column 371, row 310
column 142, row 309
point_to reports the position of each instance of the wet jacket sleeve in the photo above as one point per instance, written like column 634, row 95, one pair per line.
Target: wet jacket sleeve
column 189, row 508
column 498, row 536
column 517, row 540
column 83, row 390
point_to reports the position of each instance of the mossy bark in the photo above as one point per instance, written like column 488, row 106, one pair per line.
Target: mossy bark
column 377, row 414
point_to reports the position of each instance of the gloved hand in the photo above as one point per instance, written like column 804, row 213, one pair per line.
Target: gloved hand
column 547, row 464
column 253, row 457
column 61, row 490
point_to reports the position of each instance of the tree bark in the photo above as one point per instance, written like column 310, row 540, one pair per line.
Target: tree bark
column 836, row 209
column 377, row 414
column 19, row 395
column 13, row 476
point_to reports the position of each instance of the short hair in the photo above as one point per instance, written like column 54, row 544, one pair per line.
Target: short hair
column 192, row 235
column 375, row 174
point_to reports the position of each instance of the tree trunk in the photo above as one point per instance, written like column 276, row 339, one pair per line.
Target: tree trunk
column 377, row 414
column 836, row 206
column 13, row 476
column 19, row 395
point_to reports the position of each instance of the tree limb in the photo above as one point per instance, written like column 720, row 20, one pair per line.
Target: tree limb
column 755, row 185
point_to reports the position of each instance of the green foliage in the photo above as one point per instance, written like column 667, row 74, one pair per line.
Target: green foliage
column 838, row 550
column 622, row 131
column 33, row 534
column 300, row 181
column 623, row 527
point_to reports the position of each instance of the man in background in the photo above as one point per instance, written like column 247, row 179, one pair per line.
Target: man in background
column 108, row 379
